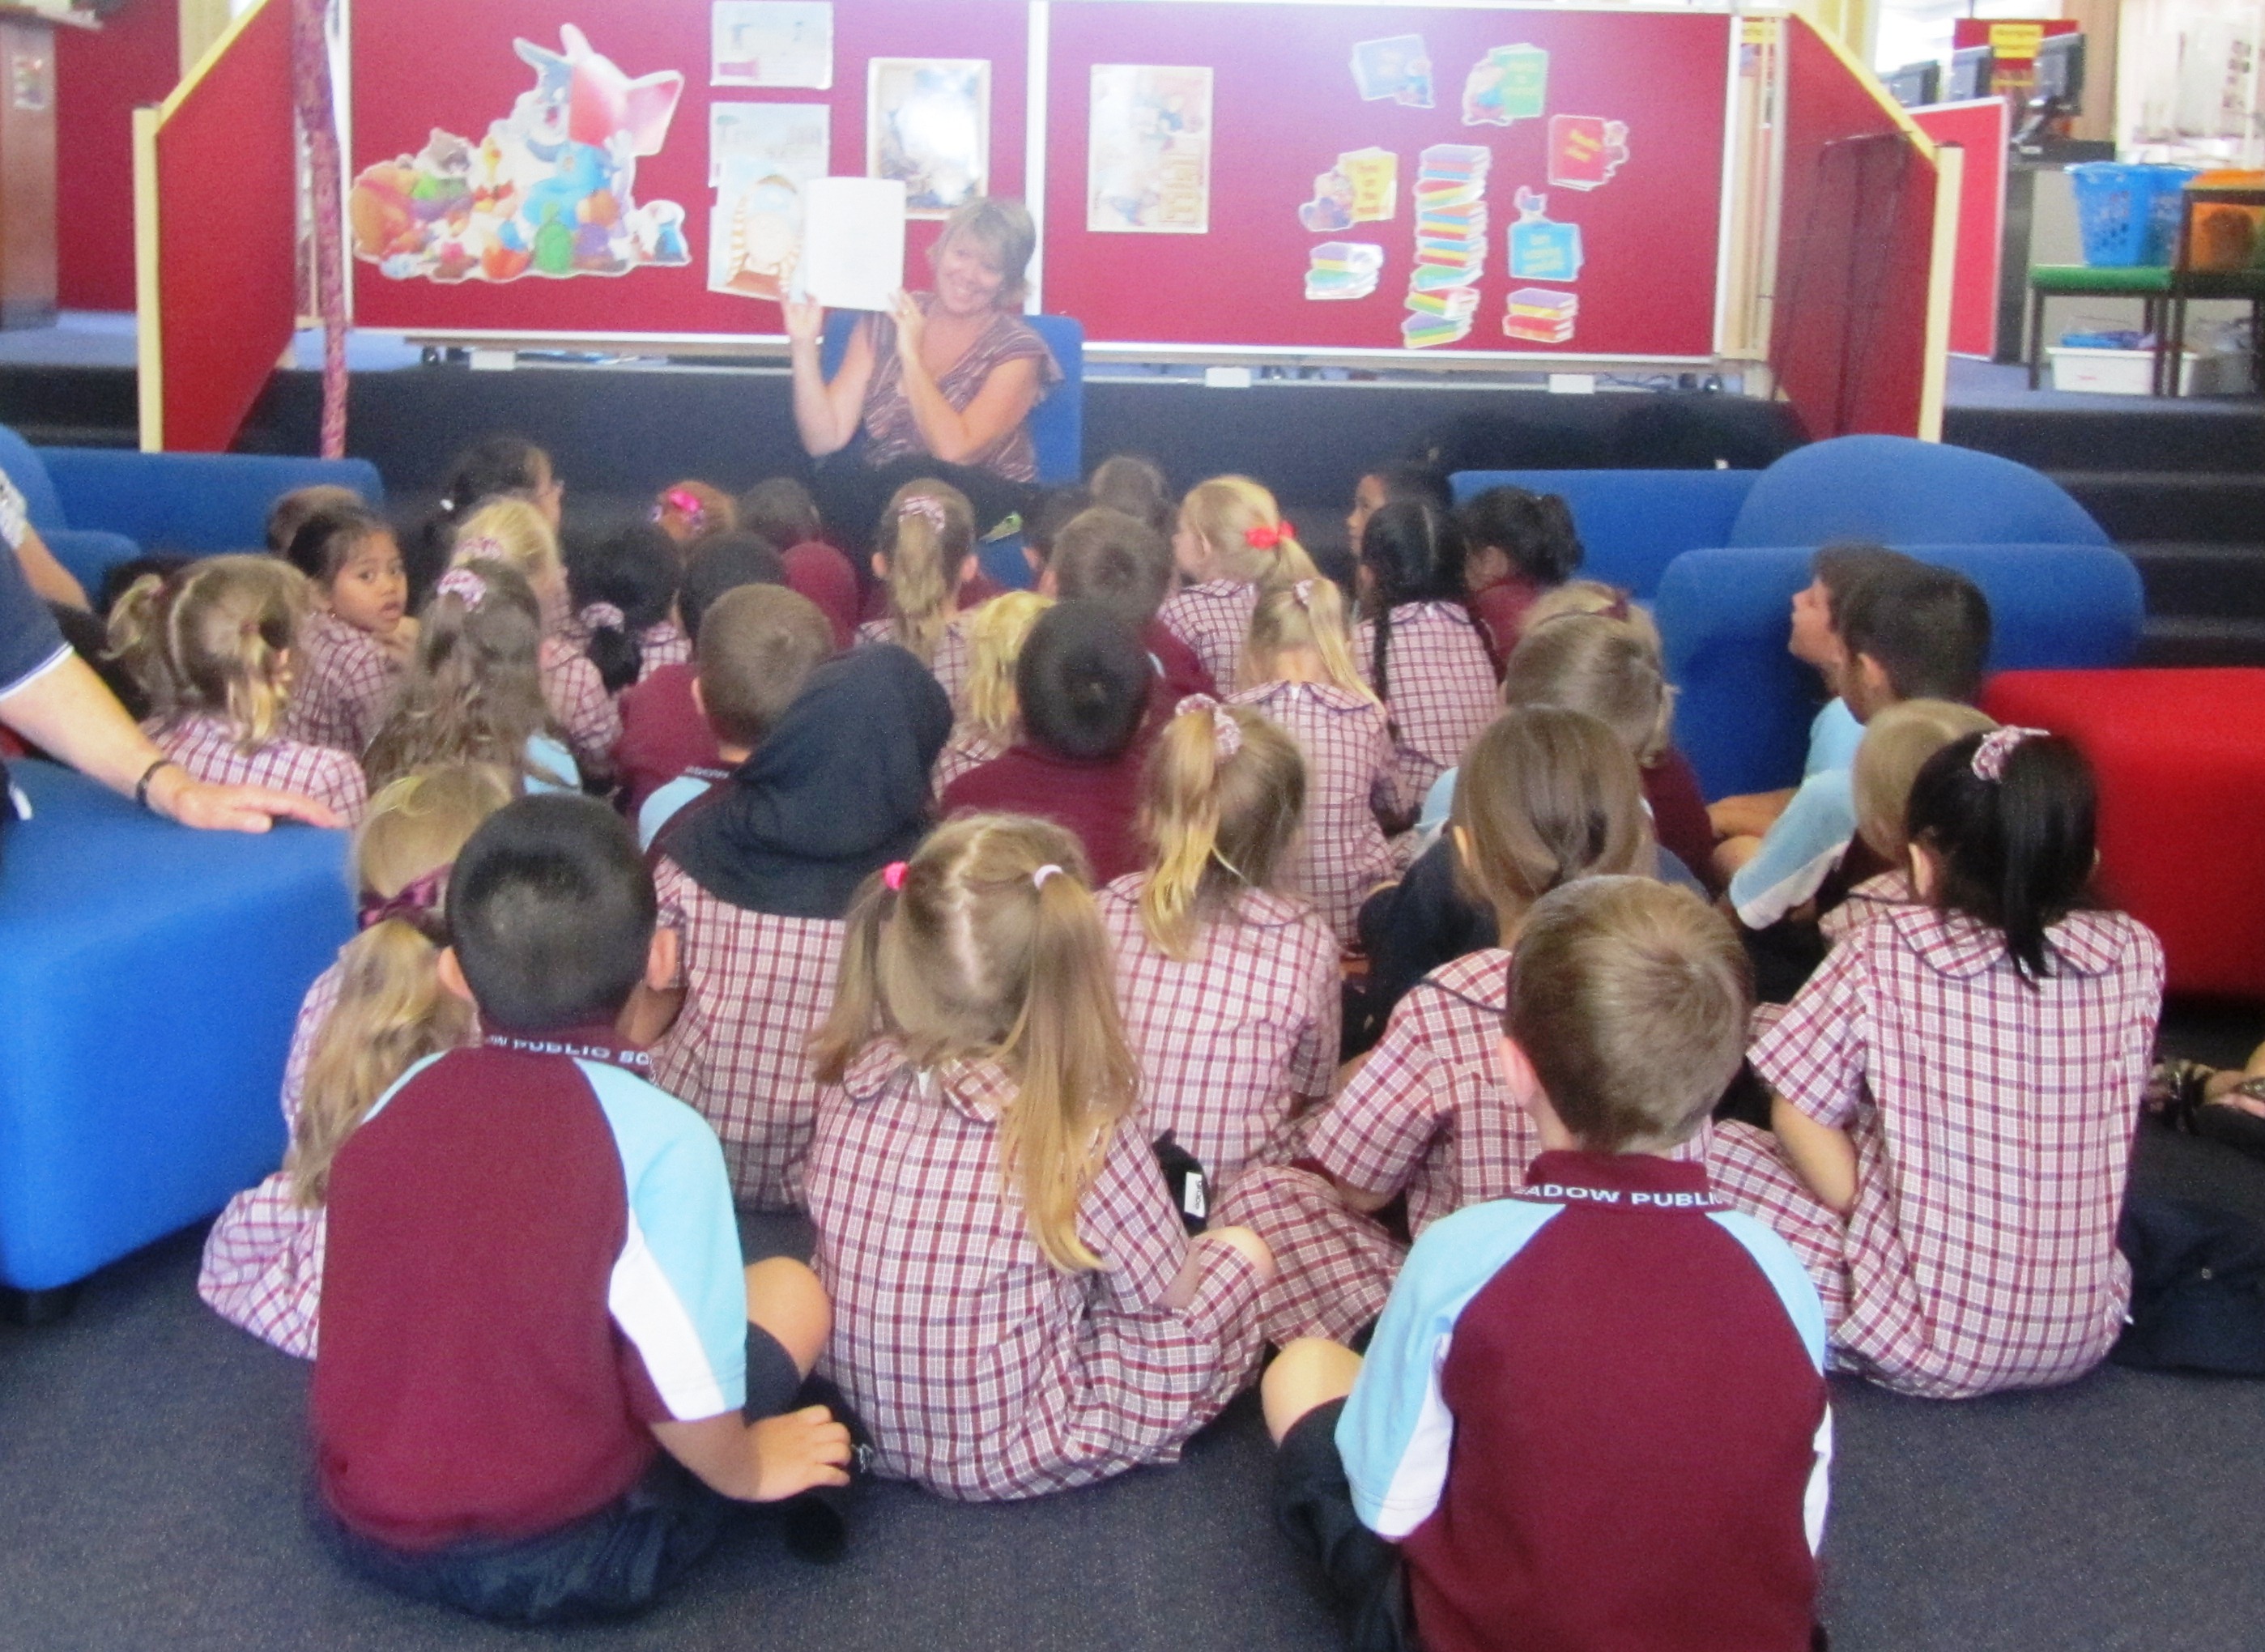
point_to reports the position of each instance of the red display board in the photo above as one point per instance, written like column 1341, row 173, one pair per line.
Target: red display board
column 1286, row 104
column 1978, row 129
column 1855, row 251
column 220, row 273
column 423, row 65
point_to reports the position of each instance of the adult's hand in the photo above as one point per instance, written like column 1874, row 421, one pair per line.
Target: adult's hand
column 175, row 794
column 804, row 320
column 912, row 327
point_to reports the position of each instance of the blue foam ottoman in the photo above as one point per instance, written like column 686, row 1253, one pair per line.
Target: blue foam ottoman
column 148, row 979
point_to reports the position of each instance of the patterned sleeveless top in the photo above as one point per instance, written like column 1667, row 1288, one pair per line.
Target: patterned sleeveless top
column 891, row 431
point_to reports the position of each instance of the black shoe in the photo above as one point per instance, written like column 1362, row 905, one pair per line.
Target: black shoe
column 816, row 1524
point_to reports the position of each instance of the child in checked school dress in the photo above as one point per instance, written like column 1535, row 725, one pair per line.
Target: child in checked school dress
column 1017, row 1309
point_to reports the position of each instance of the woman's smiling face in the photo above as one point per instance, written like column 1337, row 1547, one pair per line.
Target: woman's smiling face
column 968, row 278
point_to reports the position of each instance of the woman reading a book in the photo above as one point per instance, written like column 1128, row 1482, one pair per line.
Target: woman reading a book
column 941, row 386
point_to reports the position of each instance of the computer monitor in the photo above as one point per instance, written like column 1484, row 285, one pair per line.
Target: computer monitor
column 1970, row 74
column 1915, row 83
column 2059, row 71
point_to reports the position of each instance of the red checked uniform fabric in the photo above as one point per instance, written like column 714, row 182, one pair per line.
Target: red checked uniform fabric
column 262, row 1262
column 1213, row 619
column 984, row 1371
column 1234, row 1040
column 206, row 747
column 577, row 696
column 952, row 655
column 342, row 685
column 1440, row 688
column 1993, row 1124
column 756, row 986
column 1427, row 1115
column 1342, row 854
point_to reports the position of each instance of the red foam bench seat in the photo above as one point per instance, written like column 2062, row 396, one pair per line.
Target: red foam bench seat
column 2180, row 758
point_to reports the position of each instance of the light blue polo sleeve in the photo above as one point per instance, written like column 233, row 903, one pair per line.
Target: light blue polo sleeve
column 1396, row 1432
column 678, row 1291
column 1800, row 851
column 661, row 807
column 1834, row 734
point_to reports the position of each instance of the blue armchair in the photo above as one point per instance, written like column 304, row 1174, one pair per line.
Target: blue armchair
column 1907, row 493
column 1632, row 523
column 99, row 506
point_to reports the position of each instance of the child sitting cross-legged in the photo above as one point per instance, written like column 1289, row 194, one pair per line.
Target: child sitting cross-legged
column 756, row 878
column 1594, row 1413
column 366, row 1019
column 1548, row 797
column 357, row 638
column 1017, row 1306
column 212, row 645
column 1957, row 1090
column 1229, row 986
column 758, row 646
column 543, row 1374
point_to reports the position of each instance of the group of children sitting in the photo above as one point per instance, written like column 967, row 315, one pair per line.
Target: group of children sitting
column 1192, row 956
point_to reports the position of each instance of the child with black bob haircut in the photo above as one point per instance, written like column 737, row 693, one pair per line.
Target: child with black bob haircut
column 1594, row 1412
column 623, row 579
column 1083, row 684
column 544, row 1375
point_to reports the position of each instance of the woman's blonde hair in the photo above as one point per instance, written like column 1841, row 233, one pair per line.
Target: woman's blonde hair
column 1225, row 513
column 473, row 693
column 1293, row 615
column 996, row 635
column 1220, row 804
column 926, row 533
column 1003, row 228
column 392, row 1010
column 992, row 949
column 1607, row 667
column 1592, row 596
column 214, row 638
column 1897, row 744
column 509, row 530
column 1546, row 796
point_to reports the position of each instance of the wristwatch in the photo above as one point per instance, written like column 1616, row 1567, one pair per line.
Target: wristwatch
column 142, row 786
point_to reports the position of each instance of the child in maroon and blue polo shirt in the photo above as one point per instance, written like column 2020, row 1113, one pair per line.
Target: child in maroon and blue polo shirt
column 1593, row 1414
column 534, row 1317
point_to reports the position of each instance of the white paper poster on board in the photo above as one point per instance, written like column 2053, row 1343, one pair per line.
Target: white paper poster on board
column 853, row 241
column 927, row 124
column 1148, row 153
column 772, row 43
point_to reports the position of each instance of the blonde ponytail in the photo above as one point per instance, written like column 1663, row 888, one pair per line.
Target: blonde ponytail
column 392, row 1011
column 1241, row 526
column 1301, row 616
column 928, row 532
column 1224, row 791
column 213, row 638
column 986, row 946
column 996, row 635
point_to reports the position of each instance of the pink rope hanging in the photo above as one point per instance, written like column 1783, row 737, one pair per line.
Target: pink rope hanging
column 310, row 77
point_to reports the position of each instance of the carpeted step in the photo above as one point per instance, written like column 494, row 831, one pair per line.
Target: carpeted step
column 2195, row 580
column 2152, row 435
column 2182, row 640
column 2188, row 506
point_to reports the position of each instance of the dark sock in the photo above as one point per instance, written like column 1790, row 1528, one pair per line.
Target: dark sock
column 816, row 1524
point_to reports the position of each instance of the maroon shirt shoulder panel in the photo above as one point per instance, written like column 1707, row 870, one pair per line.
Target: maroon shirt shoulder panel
column 1095, row 801
column 663, row 733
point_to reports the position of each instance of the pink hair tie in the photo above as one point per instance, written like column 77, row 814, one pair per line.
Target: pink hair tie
column 685, row 504
column 1996, row 747
column 1038, row 877
column 1226, row 732
column 465, row 585
column 411, row 902
column 892, row 877
column 927, row 507
column 603, row 617
column 471, row 547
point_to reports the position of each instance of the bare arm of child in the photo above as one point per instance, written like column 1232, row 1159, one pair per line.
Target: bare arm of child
column 1822, row 1156
column 778, row 1458
column 1749, row 814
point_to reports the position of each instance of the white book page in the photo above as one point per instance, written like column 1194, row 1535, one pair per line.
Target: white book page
column 853, row 241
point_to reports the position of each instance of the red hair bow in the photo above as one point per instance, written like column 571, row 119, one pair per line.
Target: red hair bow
column 1265, row 538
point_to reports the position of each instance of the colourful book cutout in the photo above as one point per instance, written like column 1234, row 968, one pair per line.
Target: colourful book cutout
column 1344, row 270
column 1542, row 249
column 1511, row 82
column 1538, row 316
column 1586, row 150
